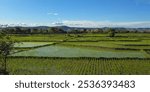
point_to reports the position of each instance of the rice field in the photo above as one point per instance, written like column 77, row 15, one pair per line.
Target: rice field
column 62, row 51
column 31, row 44
column 74, row 66
column 80, row 54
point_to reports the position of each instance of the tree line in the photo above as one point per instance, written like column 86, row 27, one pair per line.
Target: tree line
column 55, row 30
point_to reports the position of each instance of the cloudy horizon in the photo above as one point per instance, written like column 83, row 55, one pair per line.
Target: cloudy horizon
column 87, row 24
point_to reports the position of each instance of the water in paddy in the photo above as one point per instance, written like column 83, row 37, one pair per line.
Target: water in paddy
column 62, row 51
column 31, row 44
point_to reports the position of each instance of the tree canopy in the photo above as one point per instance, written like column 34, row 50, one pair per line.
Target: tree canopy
column 111, row 32
column 6, row 46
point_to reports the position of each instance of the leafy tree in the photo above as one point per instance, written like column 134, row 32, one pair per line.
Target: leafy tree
column 111, row 32
column 55, row 30
column 6, row 45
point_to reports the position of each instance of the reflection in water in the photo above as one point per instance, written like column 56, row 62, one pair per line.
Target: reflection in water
column 62, row 51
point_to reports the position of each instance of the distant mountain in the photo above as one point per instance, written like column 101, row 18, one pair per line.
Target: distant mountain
column 41, row 27
column 65, row 28
column 3, row 26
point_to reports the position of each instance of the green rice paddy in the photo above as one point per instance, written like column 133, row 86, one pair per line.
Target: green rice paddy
column 62, row 51
column 31, row 44
column 87, row 54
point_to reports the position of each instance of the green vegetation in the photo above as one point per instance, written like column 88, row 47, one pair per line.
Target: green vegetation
column 84, row 53
column 111, row 32
column 78, row 66
column 63, row 51
column 39, row 38
column 32, row 45
column 6, row 45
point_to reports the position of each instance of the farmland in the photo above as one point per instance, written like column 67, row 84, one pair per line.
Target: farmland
column 62, row 51
column 78, row 66
column 80, row 54
column 31, row 44
column 75, row 37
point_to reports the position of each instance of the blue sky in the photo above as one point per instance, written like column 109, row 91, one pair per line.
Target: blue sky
column 92, row 13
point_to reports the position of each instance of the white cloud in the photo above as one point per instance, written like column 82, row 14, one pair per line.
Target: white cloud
column 88, row 24
column 94, row 24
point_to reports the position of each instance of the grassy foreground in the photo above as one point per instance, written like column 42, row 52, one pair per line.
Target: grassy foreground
column 51, row 66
